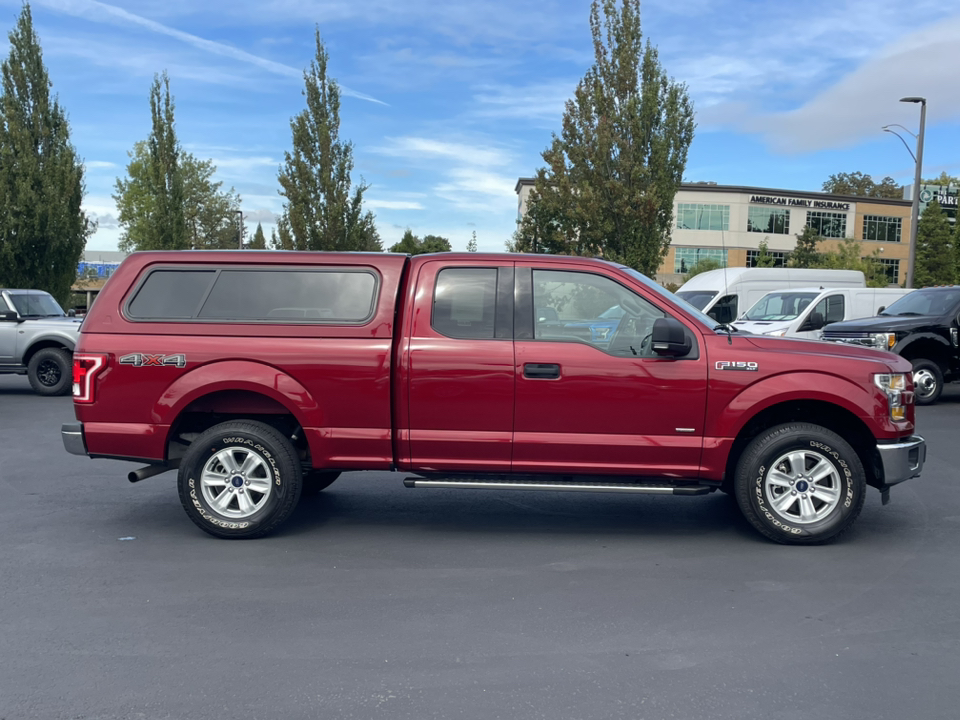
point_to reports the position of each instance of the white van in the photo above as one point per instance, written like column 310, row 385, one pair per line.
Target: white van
column 802, row 312
column 726, row 293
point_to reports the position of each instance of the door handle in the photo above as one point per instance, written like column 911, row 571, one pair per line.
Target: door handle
column 541, row 371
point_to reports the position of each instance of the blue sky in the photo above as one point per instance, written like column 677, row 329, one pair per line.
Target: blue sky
column 449, row 103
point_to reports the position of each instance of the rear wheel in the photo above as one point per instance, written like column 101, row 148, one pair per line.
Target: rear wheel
column 927, row 381
column 240, row 479
column 800, row 484
column 50, row 372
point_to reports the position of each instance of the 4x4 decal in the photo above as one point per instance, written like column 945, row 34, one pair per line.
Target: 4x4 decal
column 144, row 360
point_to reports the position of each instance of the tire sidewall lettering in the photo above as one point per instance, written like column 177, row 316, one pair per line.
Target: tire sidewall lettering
column 207, row 513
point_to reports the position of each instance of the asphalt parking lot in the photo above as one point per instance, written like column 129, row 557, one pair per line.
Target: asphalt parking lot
column 377, row 601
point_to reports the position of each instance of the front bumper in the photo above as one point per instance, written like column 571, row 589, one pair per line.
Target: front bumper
column 902, row 460
column 73, row 440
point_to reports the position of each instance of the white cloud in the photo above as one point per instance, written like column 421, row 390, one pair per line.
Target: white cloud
column 541, row 102
column 102, row 12
column 98, row 164
column 378, row 204
column 417, row 149
column 855, row 108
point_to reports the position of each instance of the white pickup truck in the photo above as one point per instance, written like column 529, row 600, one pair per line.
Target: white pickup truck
column 37, row 340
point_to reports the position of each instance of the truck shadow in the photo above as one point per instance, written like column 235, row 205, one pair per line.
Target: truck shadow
column 484, row 512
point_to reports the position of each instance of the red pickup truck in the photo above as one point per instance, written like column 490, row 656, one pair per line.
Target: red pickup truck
column 262, row 376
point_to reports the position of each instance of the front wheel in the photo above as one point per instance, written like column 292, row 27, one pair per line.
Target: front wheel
column 927, row 381
column 50, row 372
column 800, row 484
column 240, row 479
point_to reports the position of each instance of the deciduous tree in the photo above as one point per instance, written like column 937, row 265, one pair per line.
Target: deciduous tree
column 613, row 172
column 43, row 229
column 859, row 184
column 412, row 245
column 323, row 209
column 209, row 213
column 472, row 242
column 764, row 258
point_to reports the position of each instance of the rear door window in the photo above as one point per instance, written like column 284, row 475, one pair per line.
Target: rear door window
column 465, row 303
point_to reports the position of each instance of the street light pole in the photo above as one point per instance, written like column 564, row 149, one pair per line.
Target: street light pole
column 239, row 228
column 915, row 212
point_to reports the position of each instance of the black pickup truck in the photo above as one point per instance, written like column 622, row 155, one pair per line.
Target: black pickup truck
column 921, row 327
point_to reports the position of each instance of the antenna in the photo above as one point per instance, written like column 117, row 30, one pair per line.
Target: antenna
column 723, row 251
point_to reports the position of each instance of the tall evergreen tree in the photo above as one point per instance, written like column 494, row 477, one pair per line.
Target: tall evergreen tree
column 935, row 262
column 151, row 202
column 323, row 209
column 472, row 242
column 259, row 241
column 611, row 176
column 43, row 229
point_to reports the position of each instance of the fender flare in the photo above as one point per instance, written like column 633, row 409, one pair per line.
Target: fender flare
column 908, row 341
column 62, row 340
column 817, row 386
column 237, row 375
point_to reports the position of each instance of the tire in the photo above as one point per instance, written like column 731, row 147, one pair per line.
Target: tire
column 769, row 474
column 927, row 381
column 251, row 461
column 50, row 372
column 315, row 481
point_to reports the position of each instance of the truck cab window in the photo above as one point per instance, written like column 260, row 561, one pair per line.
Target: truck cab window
column 587, row 308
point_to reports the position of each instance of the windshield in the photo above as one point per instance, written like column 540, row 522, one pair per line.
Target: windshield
column 36, row 305
column 780, row 306
column 671, row 297
column 925, row 302
column 612, row 313
column 698, row 298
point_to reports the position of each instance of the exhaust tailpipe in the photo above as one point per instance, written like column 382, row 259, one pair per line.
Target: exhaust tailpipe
column 151, row 470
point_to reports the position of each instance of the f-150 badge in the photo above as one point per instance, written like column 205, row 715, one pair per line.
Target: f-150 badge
column 735, row 365
column 144, row 360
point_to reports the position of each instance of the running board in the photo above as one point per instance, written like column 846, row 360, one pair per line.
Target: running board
column 609, row 487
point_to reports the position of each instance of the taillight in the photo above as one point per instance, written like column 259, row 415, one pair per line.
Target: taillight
column 85, row 370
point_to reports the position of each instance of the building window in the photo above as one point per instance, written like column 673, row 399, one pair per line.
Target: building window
column 827, row 224
column 882, row 229
column 685, row 258
column 693, row 216
column 779, row 258
column 892, row 268
column 767, row 220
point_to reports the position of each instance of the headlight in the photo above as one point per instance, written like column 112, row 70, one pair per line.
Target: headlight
column 776, row 333
column 894, row 386
column 884, row 341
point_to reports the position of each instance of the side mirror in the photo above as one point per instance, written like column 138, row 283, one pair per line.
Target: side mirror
column 881, row 309
column 9, row 316
column 669, row 338
column 71, row 313
column 813, row 322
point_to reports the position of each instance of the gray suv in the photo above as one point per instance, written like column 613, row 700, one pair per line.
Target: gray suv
column 37, row 340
